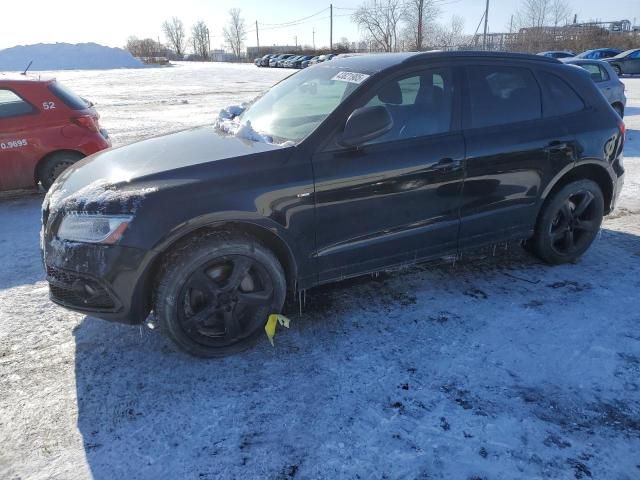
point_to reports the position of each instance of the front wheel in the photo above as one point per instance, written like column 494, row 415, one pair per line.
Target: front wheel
column 569, row 222
column 618, row 70
column 216, row 293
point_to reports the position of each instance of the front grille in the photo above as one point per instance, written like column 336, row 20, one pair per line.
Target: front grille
column 75, row 290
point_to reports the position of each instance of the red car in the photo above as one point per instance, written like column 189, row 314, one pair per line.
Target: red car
column 44, row 128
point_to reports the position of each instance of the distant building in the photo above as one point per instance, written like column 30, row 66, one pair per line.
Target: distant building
column 253, row 52
column 221, row 56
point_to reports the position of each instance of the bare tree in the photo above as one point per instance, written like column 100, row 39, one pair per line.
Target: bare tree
column 200, row 39
column 419, row 15
column 449, row 35
column 144, row 48
column 540, row 13
column 235, row 33
column 560, row 12
column 174, row 31
column 380, row 20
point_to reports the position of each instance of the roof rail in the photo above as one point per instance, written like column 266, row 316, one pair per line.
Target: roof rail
column 476, row 54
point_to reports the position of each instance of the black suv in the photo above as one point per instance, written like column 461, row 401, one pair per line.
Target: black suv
column 364, row 163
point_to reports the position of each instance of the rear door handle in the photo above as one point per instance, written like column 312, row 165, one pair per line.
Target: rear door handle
column 447, row 165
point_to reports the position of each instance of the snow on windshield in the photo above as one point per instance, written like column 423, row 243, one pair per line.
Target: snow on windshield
column 228, row 122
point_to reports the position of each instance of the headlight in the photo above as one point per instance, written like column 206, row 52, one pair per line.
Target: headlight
column 106, row 229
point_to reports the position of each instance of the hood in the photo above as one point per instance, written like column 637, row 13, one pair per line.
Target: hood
column 137, row 168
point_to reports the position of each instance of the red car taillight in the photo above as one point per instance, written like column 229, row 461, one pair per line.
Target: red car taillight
column 87, row 121
column 623, row 129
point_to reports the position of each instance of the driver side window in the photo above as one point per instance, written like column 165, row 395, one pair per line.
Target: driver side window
column 419, row 103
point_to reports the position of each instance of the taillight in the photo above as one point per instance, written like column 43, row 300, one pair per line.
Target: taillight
column 86, row 121
column 623, row 129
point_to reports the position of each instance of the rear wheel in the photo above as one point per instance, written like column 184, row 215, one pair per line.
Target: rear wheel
column 55, row 165
column 216, row 292
column 569, row 222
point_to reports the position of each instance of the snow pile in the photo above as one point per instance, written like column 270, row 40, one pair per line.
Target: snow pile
column 228, row 122
column 66, row 56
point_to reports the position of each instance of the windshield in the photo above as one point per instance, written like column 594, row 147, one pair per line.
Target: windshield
column 585, row 54
column 298, row 105
column 624, row 54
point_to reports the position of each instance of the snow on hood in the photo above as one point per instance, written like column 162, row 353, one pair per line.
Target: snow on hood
column 98, row 195
column 228, row 122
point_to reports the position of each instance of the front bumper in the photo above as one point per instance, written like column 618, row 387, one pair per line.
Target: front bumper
column 104, row 281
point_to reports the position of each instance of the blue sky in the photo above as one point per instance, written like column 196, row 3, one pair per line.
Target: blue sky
column 111, row 22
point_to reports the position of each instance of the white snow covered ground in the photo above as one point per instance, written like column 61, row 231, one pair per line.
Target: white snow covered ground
column 502, row 368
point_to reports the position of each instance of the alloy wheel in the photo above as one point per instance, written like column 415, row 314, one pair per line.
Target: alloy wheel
column 219, row 301
column 574, row 224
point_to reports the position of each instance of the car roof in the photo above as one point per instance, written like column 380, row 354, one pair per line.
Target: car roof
column 18, row 79
column 376, row 62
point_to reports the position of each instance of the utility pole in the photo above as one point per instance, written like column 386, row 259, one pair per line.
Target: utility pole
column 313, row 32
column 257, row 38
column 296, row 39
column 486, row 25
column 420, row 15
column 511, row 25
column 331, row 27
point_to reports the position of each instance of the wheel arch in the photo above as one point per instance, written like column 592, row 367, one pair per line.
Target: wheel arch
column 591, row 171
column 43, row 160
column 266, row 236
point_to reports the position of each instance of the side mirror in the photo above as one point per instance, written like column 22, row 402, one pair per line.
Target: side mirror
column 365, row 124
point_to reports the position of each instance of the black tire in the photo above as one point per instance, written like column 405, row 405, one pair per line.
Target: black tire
column 617, row 69
column 619, row 110
column 216, row 292
column 55, row 165
column 569, row 222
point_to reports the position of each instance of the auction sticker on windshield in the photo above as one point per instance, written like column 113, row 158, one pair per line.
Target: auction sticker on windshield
column 351, row 77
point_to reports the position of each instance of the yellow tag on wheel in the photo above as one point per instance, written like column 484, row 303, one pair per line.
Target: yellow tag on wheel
column 272, row 323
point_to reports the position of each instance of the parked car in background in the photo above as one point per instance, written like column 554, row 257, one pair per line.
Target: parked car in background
column 606, row 79
column 308, row 62
column 264, row 60
column 626, row 63
column 323, row 58
column 288, row 63
column 599, row 53
column 44, row 128
column 298, row 62
column 256, row 61
column 394, row 159
column 273, row 61
column 282, row 59
column 557, row 54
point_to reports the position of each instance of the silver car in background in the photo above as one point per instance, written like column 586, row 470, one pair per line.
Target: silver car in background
column 606, row 79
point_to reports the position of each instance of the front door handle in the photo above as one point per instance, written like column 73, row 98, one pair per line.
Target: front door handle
column 447, row 165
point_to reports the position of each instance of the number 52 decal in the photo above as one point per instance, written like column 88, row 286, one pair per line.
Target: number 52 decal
column 48, row 105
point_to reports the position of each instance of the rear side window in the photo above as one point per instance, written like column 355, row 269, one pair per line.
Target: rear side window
column 597, row 72
column 502, row 95
column 12, row 105
column 560, row 98
column 69, row 98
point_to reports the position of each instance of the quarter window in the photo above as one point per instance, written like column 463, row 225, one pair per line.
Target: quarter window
column 502, row 96
column 11, row 105
column 560, row 98
column 598, row 74
column 419, row 103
